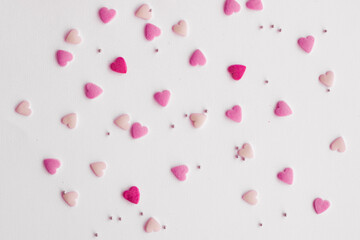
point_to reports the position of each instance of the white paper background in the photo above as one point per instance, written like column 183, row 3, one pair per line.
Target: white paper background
column 208, row 205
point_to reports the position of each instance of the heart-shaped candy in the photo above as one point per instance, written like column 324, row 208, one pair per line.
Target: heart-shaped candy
column 162, row 98
column 132, row 195
column 236, row 71
column 92, row 90
column 250, row 197
column 151, row 31
column 338, row 145
column 144, row 12
column 197, row 119
column 119, row 65
column 254, row 5
column 63, row 57
column 122, row 121
column 152, row 225
column 69, row 120
column 307, row 43
column 197, row 58
column 180, row 28
column 282, row 109
column 106, row 15
column 70, row 198
column 327, row 79
column 246, row 151
column 51, row 165
column 98, row 168
column 138, row 131
column 73, row 37
column 23, row 108
column 287, row 176
column 234, row 113
column 180, row 172
column 320, row 205
column 231, row 6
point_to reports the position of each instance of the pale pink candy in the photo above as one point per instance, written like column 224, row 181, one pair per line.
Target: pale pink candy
column 180, row 172
column 98, row 168
column 282, row 109
column 254, row 5
column 106, row 15
column 51, row 165
column 287, row 176
column 250, row 197
column 151, row 31
column 197, row 58
column 320, row 205
column 70, row 198
column 234, row 113
column 197, row 119
column 180, row 28
column 122, row 121
column 69, row 120
column 152, row 225
column 63, row 57
column 307, row 43
column 92, row 90
column 144, row 12
column 162, row 98
column 327, row 79
column 23, row 108
column 138, row 131
column 246, row 151
column 73, row 37
column 338, row 145
column 231, row 6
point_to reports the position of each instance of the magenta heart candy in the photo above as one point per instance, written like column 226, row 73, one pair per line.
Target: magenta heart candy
column 51, row 165
column 236, row 71
column 132, row 195
column 119, row 65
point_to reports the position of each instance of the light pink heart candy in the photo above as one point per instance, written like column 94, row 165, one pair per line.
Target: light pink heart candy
column 320, row 205
column 180, row 172
column 197, row 119
column 162, row 98
column 151, row 31
column 234, row 113
column 254, row 5
column 63, row 57
column 282, row 109
column 246, row 151
column 152, row 225
column 138, row 131
column 180, row 28
column 231, row 6
column 23, row 108
column 338, row 145
column 197, row 58
column 122, row 121
column 98, row 168
column 92, row 90
column 51, row 165
column 287, row 176
column 327, row 79
column 73, row 37
column 250, row 197
column 307, row 43
column 70, row 198
column 144, row 12
column 106, row 15
column 69, row 120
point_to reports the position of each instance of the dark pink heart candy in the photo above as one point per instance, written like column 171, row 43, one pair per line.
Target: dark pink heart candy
column 237, row 71
column 119, row 65
column 132, row 195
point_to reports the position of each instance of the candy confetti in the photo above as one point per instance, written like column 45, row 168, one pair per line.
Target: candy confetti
column 180, row 172
column 73, row 37
column 180, row 28
column 327, row 79
column 63, row 57
column 92, row 90
column 236, row 71
column 123, row 121
column 98, row 168
column 69, row 120
column 320, row 205
column 138, row 131
column 106, row 15
column 286, row 176
column 197, row 58
column 152, row 225
column 197, row 119
column 250, row 197
column 151, row 31
column 119, row 65
column 282, row 109
column 338, row 145
column 51, row 165
column 70, row 198
column 231, row 6
column 307, row 43
column 132, row 195
column 23, row 108
column 234, row 114
column 144, row 12
column 246, row 151
column 162, row 98
column 254, row 5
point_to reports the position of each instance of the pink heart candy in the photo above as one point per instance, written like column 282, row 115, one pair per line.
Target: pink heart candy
column 320, row 205
column 231, row 6
column 307, row 43
column 51, row 165
column 282, row 109
column 162, row 98
column 119, row 65
column 122, row 121
column 197, row 58
column 236, row 71
column 73, row 37
column 151, row 31
column 106, row 15
column 234, row 113
column 152, row 225
column 98, row 168
column 250, row 197
column 92, row 90
column 132, row 195
column 180, row 172
column 70, row 198
column 286, row 176
column 144, row 12
column 254, row 5
column 338, row 145
column 63, row 57
column 138, row 131
column 23, row 108
column 327, row 79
